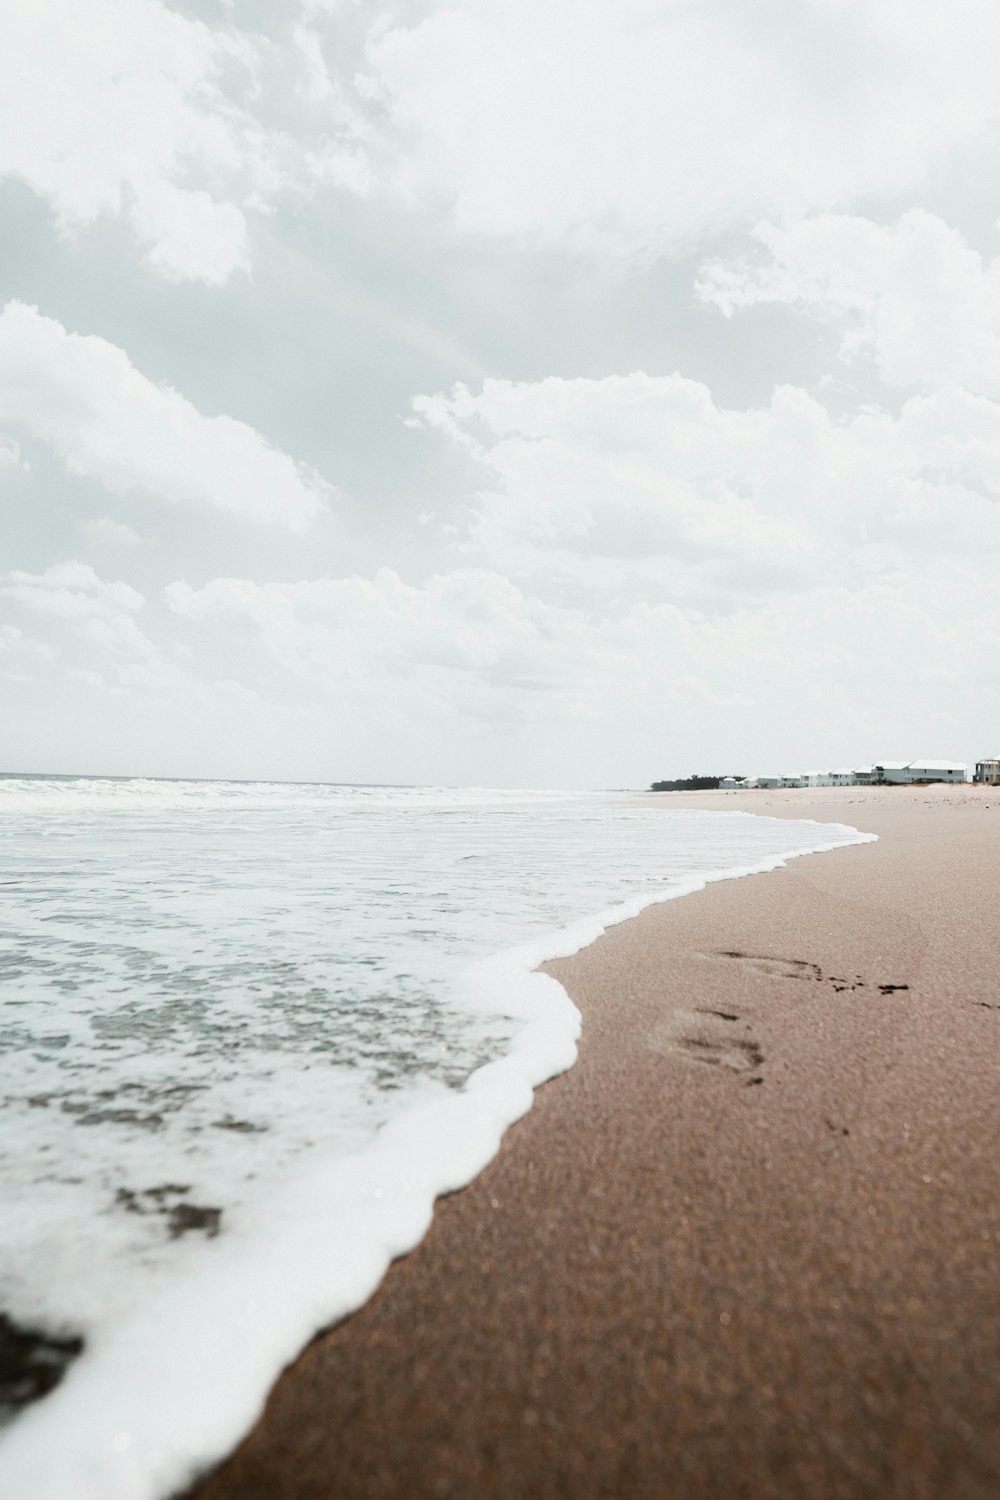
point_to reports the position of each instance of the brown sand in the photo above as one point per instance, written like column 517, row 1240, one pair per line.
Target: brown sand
column 676, row 1280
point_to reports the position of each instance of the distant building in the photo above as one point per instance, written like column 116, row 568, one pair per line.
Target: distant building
column 988, row 771
column 886, row 773
column 892, row 771
column 920, row 772
column 938, row 770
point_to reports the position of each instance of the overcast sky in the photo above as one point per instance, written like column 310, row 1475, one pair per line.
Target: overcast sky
column 516, row 392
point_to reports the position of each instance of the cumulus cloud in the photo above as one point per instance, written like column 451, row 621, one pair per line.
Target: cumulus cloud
column 914, row 298
column 130, row 109
column 73, row 591
column 338, row 632
column 462, row 656
column 718, row 568
column 398, row 667
column 84, row 398
column 121, row 108
column 617, row 126
column 93, row 684
column 627, row 126
column 646, row 482
column 99, row 613
column 18, row 650
column 768, row 567
column 826, row 573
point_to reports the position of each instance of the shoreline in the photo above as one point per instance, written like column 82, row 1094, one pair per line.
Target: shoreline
column 581, row 1318
column 383, row 1196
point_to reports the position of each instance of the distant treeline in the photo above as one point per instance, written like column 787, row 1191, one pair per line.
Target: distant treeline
column 689, row 784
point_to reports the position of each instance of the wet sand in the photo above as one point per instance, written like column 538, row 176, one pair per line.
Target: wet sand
column 748, row 1247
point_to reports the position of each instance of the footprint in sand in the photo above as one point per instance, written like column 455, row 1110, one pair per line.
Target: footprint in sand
column 714, row 1038
column 724, row 1038
column 777, row 968
column 800, row 969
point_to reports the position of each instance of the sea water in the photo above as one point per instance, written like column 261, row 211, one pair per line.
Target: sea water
column 248, row 1033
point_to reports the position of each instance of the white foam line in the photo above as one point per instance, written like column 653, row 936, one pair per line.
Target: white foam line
column 159, row 1399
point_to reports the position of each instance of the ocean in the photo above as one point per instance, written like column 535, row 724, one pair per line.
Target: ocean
column 248, row 1033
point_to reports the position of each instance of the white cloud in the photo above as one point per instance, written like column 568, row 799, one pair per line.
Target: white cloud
column 806, row 581
column 628, row 126
column 122, row 107
column 342, row 633
column 755, row 575
column 88, row 689
column 191, row 237
column 617, row 126
column 421, row 672
column 129, row 109
column 642, row 483
column 418, row 673
column 91, row 631
column 82, row 396
column 17, row 648
column 99, row 614
column 73, row 591
column 914, row 298
column 652, row 564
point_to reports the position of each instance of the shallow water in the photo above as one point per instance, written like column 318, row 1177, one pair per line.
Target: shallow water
column 219, row 1001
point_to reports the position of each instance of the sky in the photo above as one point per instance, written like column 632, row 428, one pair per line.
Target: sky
column 570, row 393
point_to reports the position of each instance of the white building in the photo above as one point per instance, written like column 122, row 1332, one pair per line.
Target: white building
column 892, row 771
column 988, row 770
column 920, row 772
column 937, row 770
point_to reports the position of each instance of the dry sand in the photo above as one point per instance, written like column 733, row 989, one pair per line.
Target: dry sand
column 748, row 1246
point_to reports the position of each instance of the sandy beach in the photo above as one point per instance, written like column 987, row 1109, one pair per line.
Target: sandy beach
column 748, row 1246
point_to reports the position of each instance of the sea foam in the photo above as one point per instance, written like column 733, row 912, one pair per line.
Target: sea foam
column 250, row 1032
